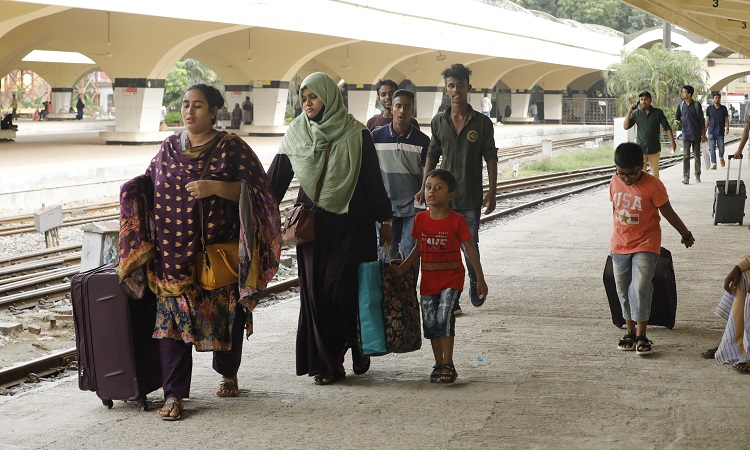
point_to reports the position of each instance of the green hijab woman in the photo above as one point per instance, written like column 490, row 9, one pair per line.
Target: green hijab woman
column 307, row 139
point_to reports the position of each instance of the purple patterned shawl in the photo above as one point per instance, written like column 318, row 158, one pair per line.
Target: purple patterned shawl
column 160, row 226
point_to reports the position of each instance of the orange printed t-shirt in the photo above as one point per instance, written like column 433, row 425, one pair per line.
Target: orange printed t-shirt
column 440, row 248
column 636, row 214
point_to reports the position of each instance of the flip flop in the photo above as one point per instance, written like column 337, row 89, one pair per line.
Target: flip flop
column 170, row 405
column 710, row 353
column 742, row 367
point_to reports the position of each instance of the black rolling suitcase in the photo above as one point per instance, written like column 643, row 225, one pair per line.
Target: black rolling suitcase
column 729, row 198
column 663, row 301
column 117, row 357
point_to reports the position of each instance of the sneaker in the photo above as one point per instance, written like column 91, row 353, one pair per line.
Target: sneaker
column 685, row 181
column 697, row 179
column 475, row 299
column 713, row 167
column 721, row 160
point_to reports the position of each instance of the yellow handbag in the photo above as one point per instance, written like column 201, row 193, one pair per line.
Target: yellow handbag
column 217, row 265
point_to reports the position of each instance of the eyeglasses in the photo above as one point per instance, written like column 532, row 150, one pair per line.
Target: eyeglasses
column 632, row 176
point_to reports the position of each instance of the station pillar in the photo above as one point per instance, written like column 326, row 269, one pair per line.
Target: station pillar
column 361, row 101
column 519, row 102
column 553, row 101
column 137, row 103
column 429, row 99
column 234, row 94
column 60, row 99
column 269, row 108
column 503, row 99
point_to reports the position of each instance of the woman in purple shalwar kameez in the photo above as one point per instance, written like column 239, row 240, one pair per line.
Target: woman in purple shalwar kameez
column 160, row 232
column 352, row 200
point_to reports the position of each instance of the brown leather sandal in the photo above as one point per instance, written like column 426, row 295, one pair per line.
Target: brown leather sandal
column 228, row 388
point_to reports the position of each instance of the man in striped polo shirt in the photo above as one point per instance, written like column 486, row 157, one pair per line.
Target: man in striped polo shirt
column 402, row 150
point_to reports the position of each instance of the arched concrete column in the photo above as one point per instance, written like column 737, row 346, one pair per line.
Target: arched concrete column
column 361, row 102
column 137, row 104
column 269, row 108
column 60, row 98
column 553, row 106
column 519, row 103
column 429, row 99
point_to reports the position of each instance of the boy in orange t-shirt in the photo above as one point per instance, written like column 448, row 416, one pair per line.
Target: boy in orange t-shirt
column 637, row 199
column 440, row 232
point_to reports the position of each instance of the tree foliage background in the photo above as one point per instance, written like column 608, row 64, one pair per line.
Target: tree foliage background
column 183, row 74
column 657, row 70
column 610, row 13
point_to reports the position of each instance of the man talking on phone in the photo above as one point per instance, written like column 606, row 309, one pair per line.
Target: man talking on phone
column 649, row 121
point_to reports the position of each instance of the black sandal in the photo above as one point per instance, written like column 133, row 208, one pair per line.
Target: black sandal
column 710, row 353
column 324, row 380
column 435, row 375
column 627, row 343
column 448, row 374
column 642, row 345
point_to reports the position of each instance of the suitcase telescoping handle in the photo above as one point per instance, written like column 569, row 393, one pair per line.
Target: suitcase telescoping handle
column 739, row 175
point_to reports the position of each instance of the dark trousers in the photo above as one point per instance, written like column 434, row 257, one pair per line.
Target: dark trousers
column 686, row 146
column 177, row 359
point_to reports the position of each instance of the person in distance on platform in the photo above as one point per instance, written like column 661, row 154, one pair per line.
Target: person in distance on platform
column 247, row 111
column 461, row 138
column 441, row 233
column 486, row 105
column 402, row 150
column 236, row 117
column 385, row 90
column 80, row 106
column 352, row 199
column 717, row 123
column 689, row 114
column 649, row 119
column 637, row 200
column 202, row 185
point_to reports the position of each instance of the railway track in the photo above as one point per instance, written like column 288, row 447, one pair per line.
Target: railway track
column 24, row 223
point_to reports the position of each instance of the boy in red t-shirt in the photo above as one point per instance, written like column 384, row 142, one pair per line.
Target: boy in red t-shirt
column 637, row 199
column 440, row 233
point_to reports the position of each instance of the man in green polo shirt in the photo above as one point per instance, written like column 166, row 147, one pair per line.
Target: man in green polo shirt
column 649, row 119
column 461, row 139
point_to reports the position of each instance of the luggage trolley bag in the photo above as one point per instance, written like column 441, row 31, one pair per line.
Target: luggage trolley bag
column 729, row 198
column 663, row 300
column 117, row 357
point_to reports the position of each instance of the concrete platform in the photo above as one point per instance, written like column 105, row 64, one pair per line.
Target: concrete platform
column 537, row 363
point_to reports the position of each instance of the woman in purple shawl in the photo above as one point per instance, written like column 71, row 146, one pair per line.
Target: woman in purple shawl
column 160, row 234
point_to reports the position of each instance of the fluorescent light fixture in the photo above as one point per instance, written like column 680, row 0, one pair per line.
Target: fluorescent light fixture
column 57, row 57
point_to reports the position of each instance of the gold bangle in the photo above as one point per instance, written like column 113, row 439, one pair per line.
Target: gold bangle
column 386, row 222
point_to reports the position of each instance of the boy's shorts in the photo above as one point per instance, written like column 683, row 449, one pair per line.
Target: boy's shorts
column 438, row 319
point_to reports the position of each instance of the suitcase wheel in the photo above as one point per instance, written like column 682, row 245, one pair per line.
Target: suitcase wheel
column 108, row 403
column 143, row 404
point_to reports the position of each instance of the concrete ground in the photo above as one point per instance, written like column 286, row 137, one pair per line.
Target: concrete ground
column 537, row 363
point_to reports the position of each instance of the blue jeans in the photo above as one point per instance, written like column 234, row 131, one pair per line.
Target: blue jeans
column 438, row 319
column 472, row 218
column 713, row 142
column 633, row 274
